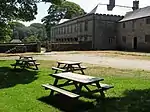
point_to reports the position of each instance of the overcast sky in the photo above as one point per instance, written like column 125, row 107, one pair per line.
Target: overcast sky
column 88, row 5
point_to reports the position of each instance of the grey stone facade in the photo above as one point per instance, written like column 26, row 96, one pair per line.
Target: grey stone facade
column 134, row 33
column 98, row 29
column 106, row 32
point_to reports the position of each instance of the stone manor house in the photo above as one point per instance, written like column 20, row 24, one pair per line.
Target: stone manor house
column 107, row 32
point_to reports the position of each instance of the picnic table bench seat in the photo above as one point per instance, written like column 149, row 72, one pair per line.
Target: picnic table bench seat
column 104, row 86
column 60, row 90
column 82, row 67
column 60, row 69
column 64, row 69
column 32, row 64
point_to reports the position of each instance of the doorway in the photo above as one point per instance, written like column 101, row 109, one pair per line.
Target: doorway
column 135, row 43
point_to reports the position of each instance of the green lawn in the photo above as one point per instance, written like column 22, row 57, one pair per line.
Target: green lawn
column 21, row 91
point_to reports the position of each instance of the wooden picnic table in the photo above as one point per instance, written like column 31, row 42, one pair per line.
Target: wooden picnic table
column 25, row 57
column 25, row 62
column 78, row 81
column 68, row 66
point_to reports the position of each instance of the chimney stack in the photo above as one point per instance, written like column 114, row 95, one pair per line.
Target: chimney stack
column 135, row 5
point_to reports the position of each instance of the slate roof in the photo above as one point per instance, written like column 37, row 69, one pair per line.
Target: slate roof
column 102, row 9
column 139, row 13
column 62, row 21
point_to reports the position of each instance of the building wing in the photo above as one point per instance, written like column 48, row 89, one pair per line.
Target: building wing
column 136, row 14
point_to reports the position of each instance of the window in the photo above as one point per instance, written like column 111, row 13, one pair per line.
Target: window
column 124, row 39
column 147, row 38
column 71, row 28
column 68, row 30
column 86, row 26
column 85, row 38
column 75, row 28
column 76, row 39
column 123, row 25
column 110, row 40
column 64, row 30
column 148, row 20
column 80, row 27
column 133, row 25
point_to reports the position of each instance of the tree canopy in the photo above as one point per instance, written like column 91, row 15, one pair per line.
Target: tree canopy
column 36, row 31
column 64, row 10
column 24, row 10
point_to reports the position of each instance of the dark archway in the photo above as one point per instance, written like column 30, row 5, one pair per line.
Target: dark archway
column 135, row 43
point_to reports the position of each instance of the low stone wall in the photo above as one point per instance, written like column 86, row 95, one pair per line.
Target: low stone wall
column 21, row 47
column 71, row 46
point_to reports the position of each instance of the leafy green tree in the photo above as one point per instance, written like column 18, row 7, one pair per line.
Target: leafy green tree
column 65, row 10
column 39, row 30
column 5, row 32
column 24, row 10
column 32, row 38
column 18, row 29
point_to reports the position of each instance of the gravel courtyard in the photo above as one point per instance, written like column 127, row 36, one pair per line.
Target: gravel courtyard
column 115, row 62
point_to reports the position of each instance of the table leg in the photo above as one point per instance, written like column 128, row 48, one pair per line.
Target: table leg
column 64, row 67
column 75, row 84
column 87, row 88
column 24, row 64
column 57, row 67
column 81, row 69
column 78, row 89
column 17, row 63
column 36, row 67
column 55, row 83
column 71, row 68
column 101, row 91
column 67, row 68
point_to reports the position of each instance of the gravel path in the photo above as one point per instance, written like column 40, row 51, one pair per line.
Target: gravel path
column 114, row 62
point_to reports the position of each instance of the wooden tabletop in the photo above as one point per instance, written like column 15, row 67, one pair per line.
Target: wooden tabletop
column 68, row 62
column 26, row 60
column 78, row 77
column 23, row 56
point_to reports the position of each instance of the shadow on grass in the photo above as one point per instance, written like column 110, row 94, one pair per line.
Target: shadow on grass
column 66, row 104
column 132, row 101
column 10, row 77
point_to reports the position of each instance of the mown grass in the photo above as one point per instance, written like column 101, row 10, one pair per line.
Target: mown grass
column 21, row 91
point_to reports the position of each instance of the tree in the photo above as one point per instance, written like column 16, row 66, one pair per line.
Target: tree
column 39, row 30
column 65, row 10
column 32, row 38
column 24, row 10
column 5, row 33
column 19, row 30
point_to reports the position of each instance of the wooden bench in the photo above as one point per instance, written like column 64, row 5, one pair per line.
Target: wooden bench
column 32, row 64
column 58, row 69
column 62, row 91
column 64, row 70
column 104, row 86
column 82, row 67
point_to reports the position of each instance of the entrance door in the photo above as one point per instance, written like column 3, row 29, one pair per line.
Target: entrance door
column 135, row 43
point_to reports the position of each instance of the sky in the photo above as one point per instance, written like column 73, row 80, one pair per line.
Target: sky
column 88, row 5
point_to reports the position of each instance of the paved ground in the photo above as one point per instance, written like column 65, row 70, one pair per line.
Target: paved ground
column 114, row 62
